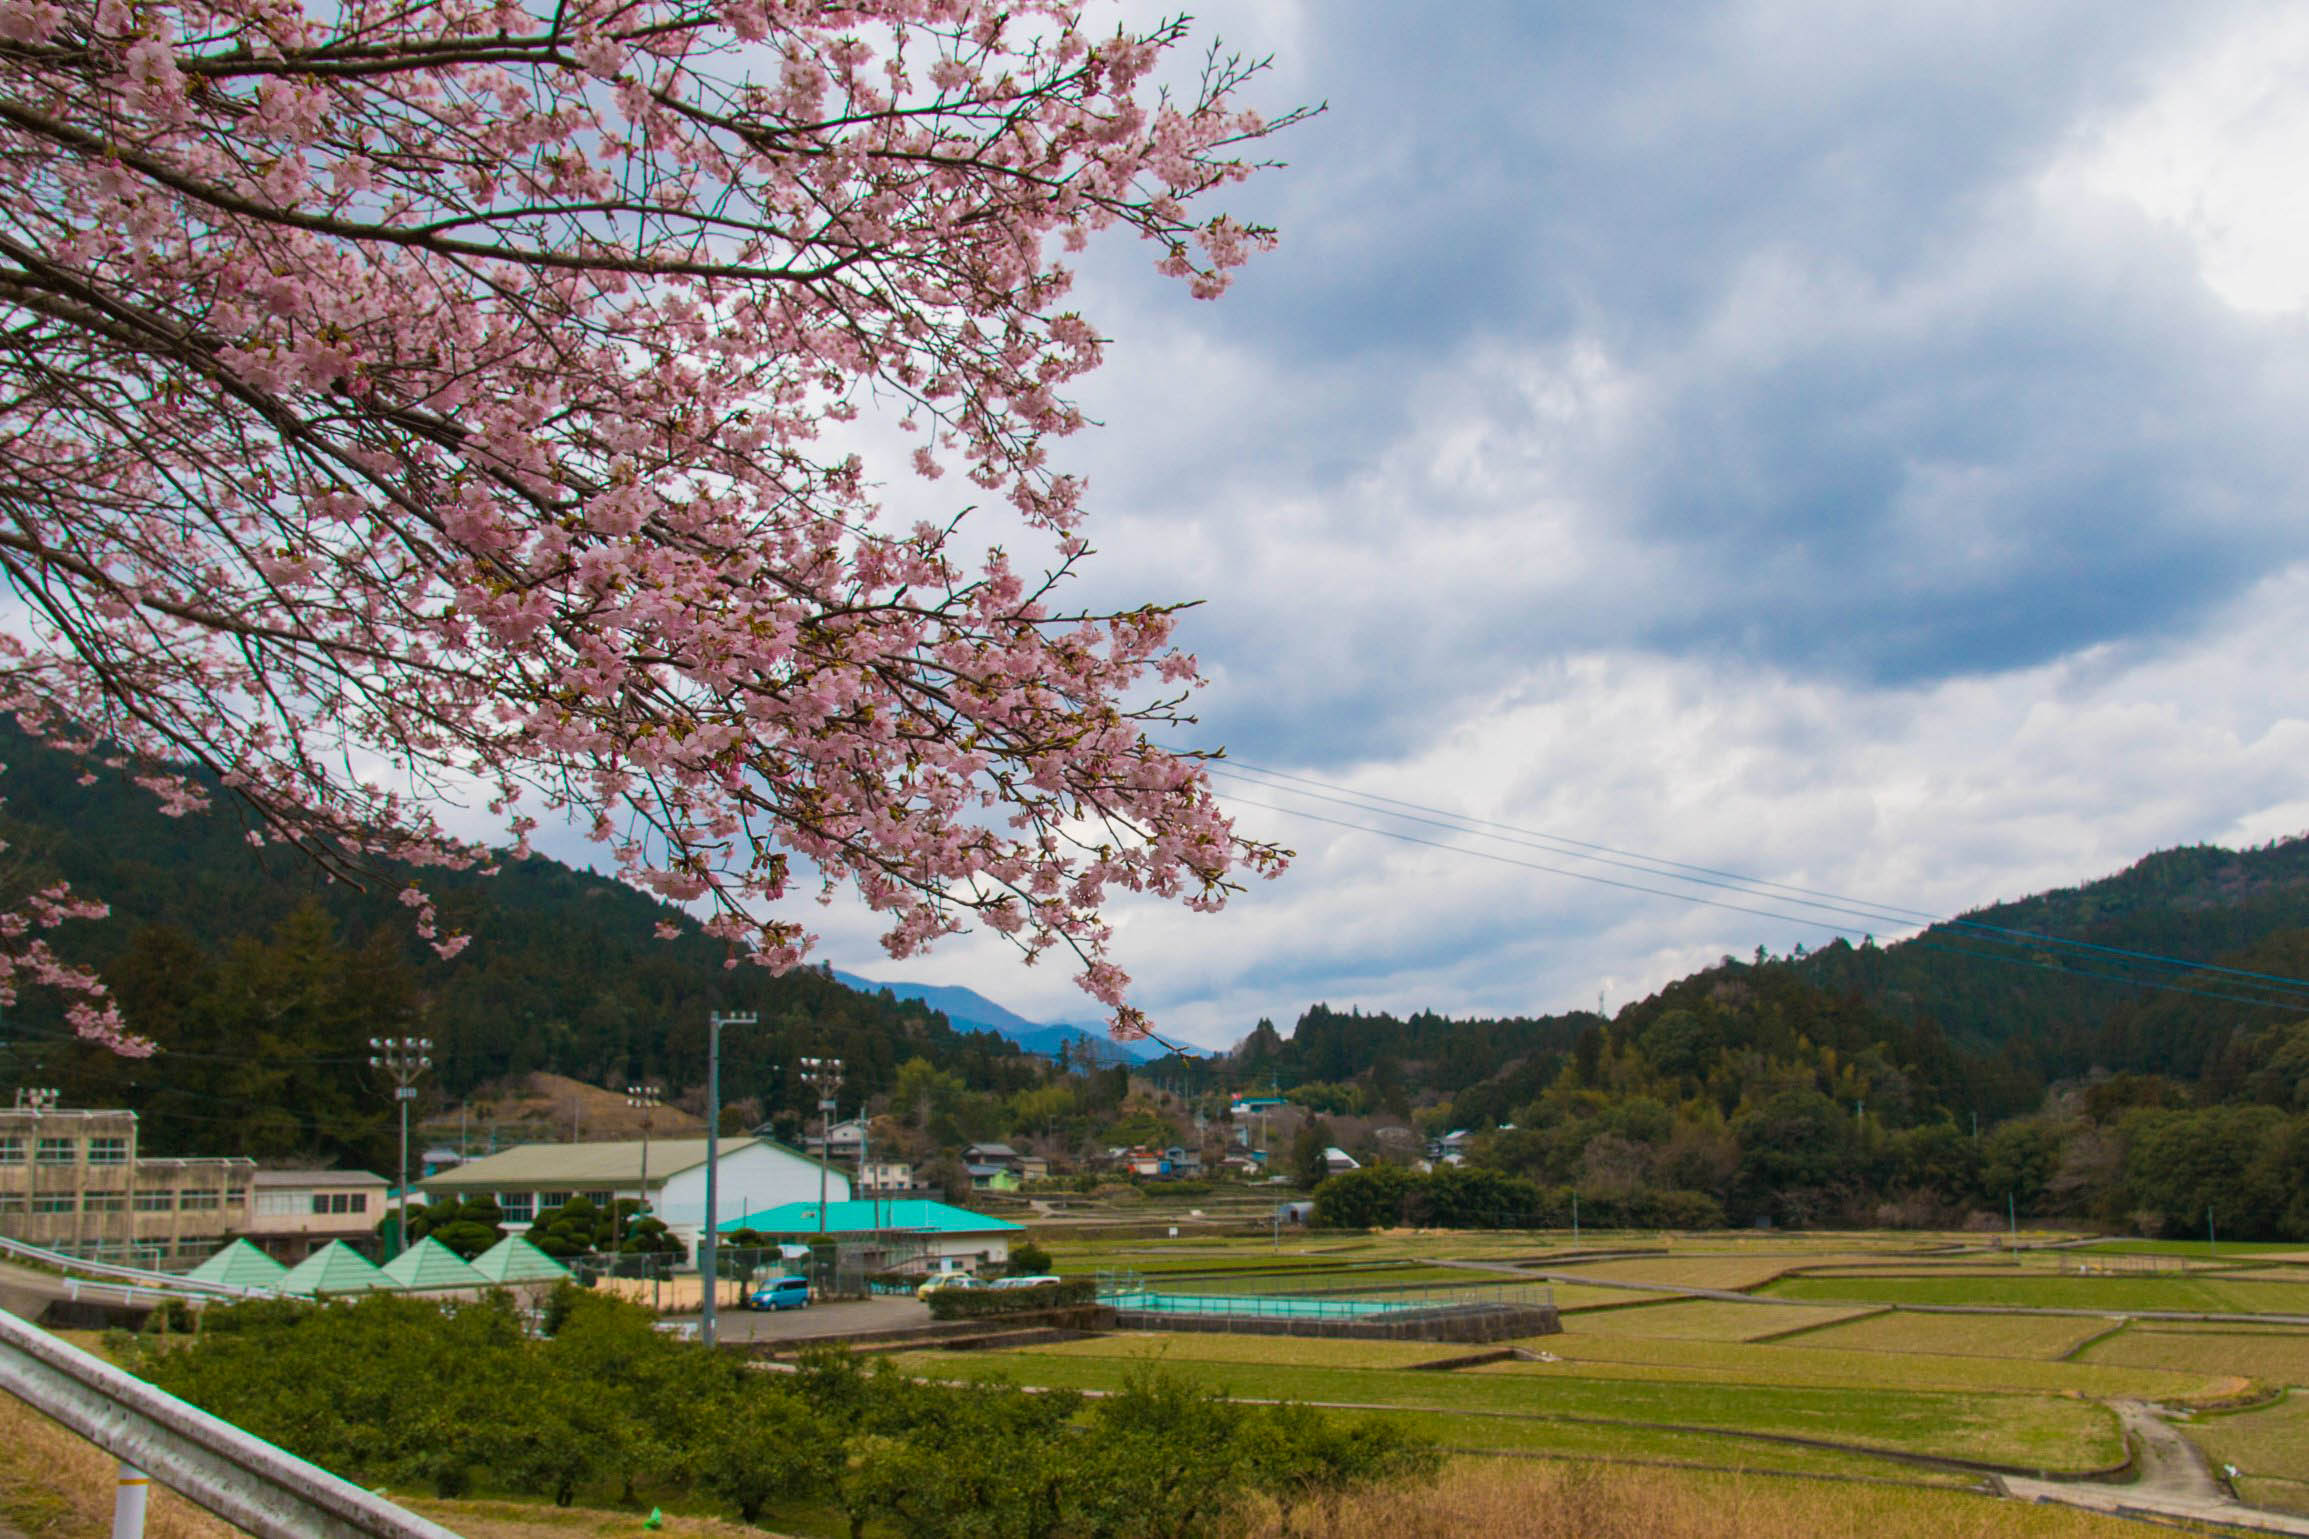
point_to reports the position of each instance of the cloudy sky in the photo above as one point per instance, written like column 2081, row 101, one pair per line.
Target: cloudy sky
column 1858, row 447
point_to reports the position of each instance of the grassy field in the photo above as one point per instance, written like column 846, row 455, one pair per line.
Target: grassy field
column 1828, row 1355
column 2042, row 1337
column 2113, row 1294
column 1713, row 1320
column 2026, row 1430
column 2273, row 1357
column 1581, row 1355
column 1725, row 1272
column 2195, row 1249
column 2270, row 1445
column 1800, row 1362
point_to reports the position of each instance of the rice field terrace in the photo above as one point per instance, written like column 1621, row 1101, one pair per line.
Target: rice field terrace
column 1834, row 1356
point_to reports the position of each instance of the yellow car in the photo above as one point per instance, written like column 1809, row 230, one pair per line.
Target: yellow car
column 947, row 1280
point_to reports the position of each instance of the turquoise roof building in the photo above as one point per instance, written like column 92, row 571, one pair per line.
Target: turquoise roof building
column 514, row 1260
column 912, row 1232
column 431, row 1267
column 335, row 1268
column 917, row 1216
column 240, row 1265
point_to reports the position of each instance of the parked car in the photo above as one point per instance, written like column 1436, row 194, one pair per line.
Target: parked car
column 947, row 1280
column 781, row 1293
column 1025, row 1282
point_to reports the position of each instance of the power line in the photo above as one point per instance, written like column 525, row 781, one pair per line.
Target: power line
column 2295, row 997
column 1660, row 866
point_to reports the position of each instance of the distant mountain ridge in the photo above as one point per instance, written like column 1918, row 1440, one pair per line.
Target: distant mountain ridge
column 968, row 1010
column 2058, row 973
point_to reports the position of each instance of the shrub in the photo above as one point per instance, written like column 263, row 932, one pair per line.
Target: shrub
column 985, row 1303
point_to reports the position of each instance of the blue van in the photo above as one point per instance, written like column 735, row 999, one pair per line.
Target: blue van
column 781, row 1293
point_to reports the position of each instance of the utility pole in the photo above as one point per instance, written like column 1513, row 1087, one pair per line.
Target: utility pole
column 403, row 1058
column 708, row 1271
column 646, row 1099
column 824, row 1075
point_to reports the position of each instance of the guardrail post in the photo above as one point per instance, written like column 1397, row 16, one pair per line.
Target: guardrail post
column 129, row 1493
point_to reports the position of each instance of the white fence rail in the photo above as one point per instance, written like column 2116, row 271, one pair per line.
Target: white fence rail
column 160, row 1282
column 243, row 1479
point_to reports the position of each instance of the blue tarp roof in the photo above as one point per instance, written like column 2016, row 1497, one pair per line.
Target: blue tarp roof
column 864, row 1217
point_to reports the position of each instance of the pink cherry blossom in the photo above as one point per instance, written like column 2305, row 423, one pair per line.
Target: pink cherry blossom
column 450, row 384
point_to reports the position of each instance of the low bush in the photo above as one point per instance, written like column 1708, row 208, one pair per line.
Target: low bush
column 984, row 1303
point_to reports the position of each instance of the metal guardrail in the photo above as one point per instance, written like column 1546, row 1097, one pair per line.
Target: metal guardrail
column 243, row 1479
column 165, row 1282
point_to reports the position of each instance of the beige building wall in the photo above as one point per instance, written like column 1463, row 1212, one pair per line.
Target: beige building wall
column 292, row 1213
column 73, row 1181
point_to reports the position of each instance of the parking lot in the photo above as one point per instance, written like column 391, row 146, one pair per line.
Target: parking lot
column 888, row 1313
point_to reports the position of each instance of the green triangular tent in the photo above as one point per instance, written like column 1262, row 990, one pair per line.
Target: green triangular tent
column 335, row 1268
column 514, row 1260
column 429, row 1266
column 240, row 1265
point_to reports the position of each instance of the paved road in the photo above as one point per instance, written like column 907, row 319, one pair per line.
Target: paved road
column 2173, row 1482
column 887, row 1313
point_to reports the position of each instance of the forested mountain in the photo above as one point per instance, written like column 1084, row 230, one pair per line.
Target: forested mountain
column 1978, row 1015
column 263, row 982
column 2133, row 1052
column 2058, row 970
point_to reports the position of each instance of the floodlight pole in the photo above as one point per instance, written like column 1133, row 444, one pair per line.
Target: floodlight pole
column 824, row 1075
column 645, row 1098
column 707, row 1271
column 404, row 1059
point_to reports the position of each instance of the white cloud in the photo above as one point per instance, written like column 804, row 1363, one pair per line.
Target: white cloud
column 1646, row 434
column 2216, row 154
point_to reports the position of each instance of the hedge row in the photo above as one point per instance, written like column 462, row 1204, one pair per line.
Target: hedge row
column 984, row 1303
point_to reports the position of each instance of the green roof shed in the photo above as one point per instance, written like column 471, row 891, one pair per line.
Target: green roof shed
column 514, row 1260
column 335, row 1268
column 240, row 1265
column 431, row 1267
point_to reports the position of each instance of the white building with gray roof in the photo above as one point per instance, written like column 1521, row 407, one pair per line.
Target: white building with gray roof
column 755, row 1173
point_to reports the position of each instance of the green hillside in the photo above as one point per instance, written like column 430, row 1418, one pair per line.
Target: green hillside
column 263, row 981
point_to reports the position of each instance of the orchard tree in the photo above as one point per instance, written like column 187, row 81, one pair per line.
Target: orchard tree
column 400, row 401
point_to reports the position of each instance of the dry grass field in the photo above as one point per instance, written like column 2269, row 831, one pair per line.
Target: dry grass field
column 55, row 1485
column 1513, row 1499
column 1727, row 1272
column 2273, row 1357
column 1712, row 1320
column 2045, row 1337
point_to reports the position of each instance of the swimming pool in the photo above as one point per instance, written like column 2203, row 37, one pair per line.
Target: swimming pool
column 1257, row 1306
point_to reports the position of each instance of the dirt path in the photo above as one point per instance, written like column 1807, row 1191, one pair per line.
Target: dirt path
column 2172, row 1482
